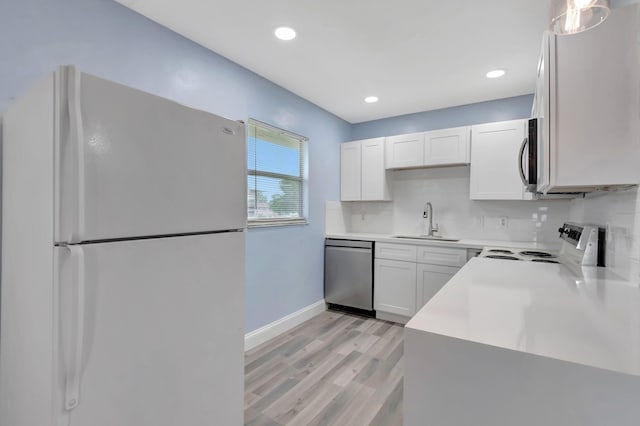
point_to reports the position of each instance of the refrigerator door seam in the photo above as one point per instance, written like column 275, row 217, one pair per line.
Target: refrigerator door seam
column 148, row 237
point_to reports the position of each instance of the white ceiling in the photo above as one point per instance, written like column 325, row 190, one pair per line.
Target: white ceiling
column 416, row 55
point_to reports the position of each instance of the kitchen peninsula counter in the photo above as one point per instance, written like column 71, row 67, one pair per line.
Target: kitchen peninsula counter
column 507, row 342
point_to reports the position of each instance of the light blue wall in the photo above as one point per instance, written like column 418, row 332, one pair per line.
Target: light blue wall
column 465, row 115
column 108, row 40
column 622, row 3
column 284, row 265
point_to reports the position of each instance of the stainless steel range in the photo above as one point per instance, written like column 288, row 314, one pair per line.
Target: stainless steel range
column 582, row 245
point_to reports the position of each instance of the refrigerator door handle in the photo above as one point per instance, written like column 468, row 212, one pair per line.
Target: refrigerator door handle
column 77, row 137
column 76, row 341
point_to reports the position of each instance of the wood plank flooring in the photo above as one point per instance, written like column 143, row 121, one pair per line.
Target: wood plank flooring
column 335, row 369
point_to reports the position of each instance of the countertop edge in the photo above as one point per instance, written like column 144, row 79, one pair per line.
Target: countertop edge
column 462, row 243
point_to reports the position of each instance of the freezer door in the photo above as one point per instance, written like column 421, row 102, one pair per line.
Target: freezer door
column 152, row 332
column 129, row 164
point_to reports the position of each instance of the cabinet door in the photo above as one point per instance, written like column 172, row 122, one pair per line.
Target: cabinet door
column 494, row 161
column 594, row 105
column 444, row 256
column 448, row 146
column 350, row 171
column 430, row 279
column 389, row 251
column 374, row 174
column 395, row 287
column 405, row 151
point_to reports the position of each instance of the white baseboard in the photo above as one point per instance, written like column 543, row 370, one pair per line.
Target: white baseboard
column 269, row 331
column 392, row 317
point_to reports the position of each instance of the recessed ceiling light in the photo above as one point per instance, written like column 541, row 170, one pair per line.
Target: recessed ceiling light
column 285, row 33
column 495, row 73
column 371, row 99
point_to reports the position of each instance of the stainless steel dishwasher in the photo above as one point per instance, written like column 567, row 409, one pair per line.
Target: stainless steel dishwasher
column 348, row 275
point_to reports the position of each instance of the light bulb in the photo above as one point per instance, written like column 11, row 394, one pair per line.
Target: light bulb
column 495, row 73
column 285, row 33
column 574, row 16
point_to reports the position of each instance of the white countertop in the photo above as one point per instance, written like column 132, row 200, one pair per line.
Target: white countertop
column 542, row 309
column 463, row 243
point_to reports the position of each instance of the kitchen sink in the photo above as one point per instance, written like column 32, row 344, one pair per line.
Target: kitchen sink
column 425, row 237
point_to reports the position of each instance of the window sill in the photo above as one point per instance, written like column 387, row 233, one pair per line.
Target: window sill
column 267, row 223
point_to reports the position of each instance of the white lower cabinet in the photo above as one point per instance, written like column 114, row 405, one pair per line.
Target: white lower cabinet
column 431, row 278
column 403, row 286
column 395, row 287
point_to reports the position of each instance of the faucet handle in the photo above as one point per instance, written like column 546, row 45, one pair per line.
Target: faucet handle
column 435, row 228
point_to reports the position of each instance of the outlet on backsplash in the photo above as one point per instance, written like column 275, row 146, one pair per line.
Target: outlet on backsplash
column 493, row 222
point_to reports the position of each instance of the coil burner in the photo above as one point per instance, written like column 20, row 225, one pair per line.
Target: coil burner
column 540, row 254
column 544, row 261
column 500, row 256
column 500, row 251
column 581, row 246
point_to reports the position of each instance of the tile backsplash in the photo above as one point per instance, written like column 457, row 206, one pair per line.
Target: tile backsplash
column 620, row 213
column 447, row 189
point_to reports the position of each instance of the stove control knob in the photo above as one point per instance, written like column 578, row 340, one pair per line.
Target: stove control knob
column 563, row 231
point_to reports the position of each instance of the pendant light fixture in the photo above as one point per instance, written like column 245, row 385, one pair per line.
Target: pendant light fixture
column 575, row 16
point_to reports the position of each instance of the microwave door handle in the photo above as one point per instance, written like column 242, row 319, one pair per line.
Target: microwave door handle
column 520, row 160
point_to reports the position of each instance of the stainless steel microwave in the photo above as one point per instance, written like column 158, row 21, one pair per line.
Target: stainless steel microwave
column 532, row 165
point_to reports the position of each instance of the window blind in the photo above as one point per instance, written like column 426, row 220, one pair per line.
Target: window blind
column 276, row 175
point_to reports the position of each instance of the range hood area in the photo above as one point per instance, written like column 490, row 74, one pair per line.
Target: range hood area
column 583, row 135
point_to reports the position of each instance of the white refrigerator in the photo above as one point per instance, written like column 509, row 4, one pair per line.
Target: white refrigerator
column 122, row 285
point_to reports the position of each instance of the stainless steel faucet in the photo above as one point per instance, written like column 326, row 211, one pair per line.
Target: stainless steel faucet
column 428, row 214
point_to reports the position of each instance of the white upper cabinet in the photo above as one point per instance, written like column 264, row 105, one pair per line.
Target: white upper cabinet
column 405, row 151
column 494, row 165
column 350, row 171
column 447, row 147
column 363, row 176
column 374, row 175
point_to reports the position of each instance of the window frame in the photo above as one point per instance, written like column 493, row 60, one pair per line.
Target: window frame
column 301, row 179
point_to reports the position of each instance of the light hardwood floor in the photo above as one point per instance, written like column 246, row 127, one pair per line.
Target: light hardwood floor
column 335, row 369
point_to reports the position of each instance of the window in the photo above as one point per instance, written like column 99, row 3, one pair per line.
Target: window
column 276, row 176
